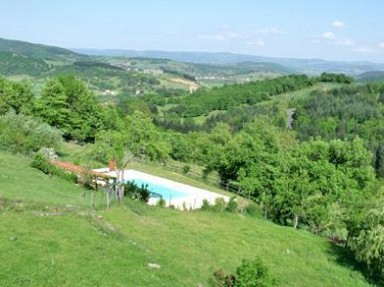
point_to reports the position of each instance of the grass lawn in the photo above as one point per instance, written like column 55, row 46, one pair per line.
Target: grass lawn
column 49, row 237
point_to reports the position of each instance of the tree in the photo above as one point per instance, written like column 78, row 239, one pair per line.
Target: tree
column 144, row 139
column 111, row 146
column 52, row 107
column 16, row 96
column 369, row 243
column 379, row 160
column 67, row 104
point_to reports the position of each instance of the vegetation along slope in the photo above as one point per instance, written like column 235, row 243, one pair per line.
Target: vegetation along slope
column 304, row 157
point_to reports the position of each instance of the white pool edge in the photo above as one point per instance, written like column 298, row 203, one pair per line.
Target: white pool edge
column 193, row 200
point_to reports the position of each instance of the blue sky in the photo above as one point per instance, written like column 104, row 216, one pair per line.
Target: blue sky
column 329, row 29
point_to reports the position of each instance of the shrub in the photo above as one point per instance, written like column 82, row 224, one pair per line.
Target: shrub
column 41, row 162
column 253, row 274
column 161, row 203
column 220, row 204
column 24, row 134
column 140, row 193
column 248, row 274
column 232, row 204
column 186, row 169
column 206, row 205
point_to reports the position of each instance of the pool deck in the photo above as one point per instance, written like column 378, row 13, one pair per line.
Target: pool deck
column 194, row 195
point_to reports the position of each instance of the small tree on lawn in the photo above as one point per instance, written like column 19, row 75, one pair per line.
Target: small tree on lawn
column 110, row 145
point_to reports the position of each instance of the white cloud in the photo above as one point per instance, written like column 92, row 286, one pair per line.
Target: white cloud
column 338, row 24
column 332, row 39
column 381, row 45
column 329, row 36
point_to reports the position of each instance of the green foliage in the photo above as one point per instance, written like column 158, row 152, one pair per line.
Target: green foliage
column 248, row 274
column 41, row 162
column 368, row 243
column 206, row 206
column 232, row 204
column 34, row 51
column 67, row 104
column 202, row 102
column 16, row 96
column 109, row 145
column 161, row 203
column 13, row 64
column 136, row 192
column 220, row 205
column 343, row 113
column 145, row 139
column 48, row 233
column 313, row 183
column 186, row 168
column 24, row 134
column 335, row 78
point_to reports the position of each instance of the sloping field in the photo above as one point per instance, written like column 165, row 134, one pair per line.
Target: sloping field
column 48, row 237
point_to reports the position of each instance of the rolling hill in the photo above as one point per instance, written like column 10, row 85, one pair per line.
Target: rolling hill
column 37, row 51
column 306, row 66
column 372, row 76
column 40, row 61
column 49, row 237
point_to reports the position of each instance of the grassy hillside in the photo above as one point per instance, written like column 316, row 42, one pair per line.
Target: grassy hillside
column 372, row 76
column 36, row 51
column 115, row 74
column 49, row 238
column 14, row 64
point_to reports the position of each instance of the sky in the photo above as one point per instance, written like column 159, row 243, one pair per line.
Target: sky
column 345, row 30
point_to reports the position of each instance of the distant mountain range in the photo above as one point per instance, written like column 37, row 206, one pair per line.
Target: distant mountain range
column 306, row 66
column 23, row 58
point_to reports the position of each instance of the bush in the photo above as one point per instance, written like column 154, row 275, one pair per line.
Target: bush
column 161, row 203
column 253, row 274
column 186, row 169
column 42, row 163
column 220, row 204
column 24, row 134
column 232, row 204
column 206, row 205
column 140, row 193
column 248, row 274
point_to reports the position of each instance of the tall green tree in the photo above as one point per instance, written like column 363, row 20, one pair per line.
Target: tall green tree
column 67, row 104
column 369, row 242
column 144, row 138
column 16, row 96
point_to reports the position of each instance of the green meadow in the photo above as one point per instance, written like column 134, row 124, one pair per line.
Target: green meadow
column 50, row 237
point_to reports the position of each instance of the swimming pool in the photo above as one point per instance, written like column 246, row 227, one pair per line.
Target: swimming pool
column 166, row 192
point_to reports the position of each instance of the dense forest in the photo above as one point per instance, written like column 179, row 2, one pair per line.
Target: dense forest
column 321, row 172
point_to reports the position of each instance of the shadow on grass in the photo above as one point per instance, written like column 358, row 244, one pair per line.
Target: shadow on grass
column 345, row 257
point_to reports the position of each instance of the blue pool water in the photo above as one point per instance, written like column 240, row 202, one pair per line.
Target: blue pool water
column 166, row 192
